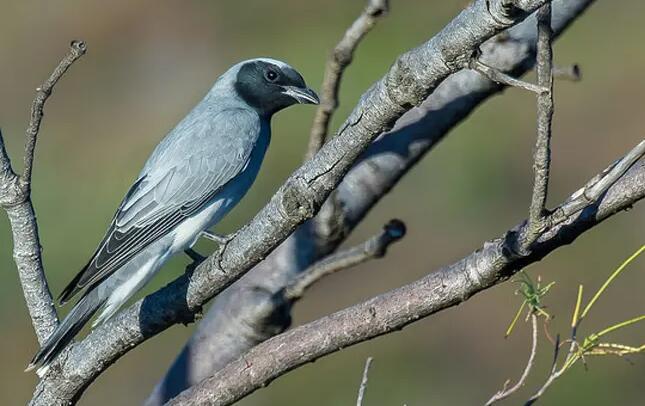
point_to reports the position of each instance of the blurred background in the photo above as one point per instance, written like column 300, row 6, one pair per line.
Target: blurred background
column 149, row 62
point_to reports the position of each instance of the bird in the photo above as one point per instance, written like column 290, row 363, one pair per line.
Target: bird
column 193, row 178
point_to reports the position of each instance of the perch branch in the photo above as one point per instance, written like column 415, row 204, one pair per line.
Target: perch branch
column 77, row 49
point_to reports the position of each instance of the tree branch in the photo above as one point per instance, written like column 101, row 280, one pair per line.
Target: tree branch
column 237, row 320
column 493, row 263
column 411, row 79
column 77, row 49
column 340, row 59
column 15, row 199
column 542, row 154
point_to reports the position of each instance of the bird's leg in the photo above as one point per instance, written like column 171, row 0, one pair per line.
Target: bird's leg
column 194, row 255
column 221, row 240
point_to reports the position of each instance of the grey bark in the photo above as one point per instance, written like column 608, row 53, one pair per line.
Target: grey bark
column 542, row 151
column 15, row 199
column 410, row 80
column 496, row 261
column 239, row 318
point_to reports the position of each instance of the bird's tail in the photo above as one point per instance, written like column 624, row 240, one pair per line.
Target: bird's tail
column 65, row 332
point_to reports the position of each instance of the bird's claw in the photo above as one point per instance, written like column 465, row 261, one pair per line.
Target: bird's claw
column 219, row 239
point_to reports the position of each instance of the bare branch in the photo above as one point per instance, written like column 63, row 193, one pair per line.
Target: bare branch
column 77, row 49
column 361, row 389
column 542, row 154
column 340, row 59
column 409, row 81
column 375, row 247
column 449, row 286
column 502, row 78
column 15, row 198
column 504, row 393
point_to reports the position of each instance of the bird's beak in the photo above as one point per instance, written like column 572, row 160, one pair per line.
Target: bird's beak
column 301, row 95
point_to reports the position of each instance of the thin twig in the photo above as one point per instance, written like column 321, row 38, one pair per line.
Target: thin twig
column 542, row 153
column 375, row 247
column 77, row 49
column 555, row 372
column 504, row 393
column 339, row 59
column 500, row 77
column 361, row 389
column 570, row 72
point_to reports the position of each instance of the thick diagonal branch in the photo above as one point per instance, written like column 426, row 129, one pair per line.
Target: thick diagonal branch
column 15, row 198
column 411, row 79
column 494, row 263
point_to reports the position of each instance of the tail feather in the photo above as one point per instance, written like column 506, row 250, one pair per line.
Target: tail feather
column 66, row 330
column 71, row 289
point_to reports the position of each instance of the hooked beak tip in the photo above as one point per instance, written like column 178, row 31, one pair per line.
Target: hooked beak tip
column 302, row 95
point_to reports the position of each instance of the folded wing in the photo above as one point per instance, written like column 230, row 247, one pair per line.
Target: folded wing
column 183, row 175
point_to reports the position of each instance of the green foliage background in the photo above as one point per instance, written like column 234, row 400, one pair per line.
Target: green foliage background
column 150, row 61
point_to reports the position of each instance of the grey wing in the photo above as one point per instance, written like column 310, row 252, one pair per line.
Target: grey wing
column 184, row 173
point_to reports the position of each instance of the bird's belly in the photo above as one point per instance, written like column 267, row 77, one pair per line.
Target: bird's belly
column 187, row 233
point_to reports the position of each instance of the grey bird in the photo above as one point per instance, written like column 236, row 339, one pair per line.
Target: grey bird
column 194, row 177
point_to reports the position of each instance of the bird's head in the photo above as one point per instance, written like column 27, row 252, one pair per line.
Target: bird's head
column 269, row 86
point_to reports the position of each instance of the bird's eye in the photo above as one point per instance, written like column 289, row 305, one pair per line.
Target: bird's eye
column 271, row 75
